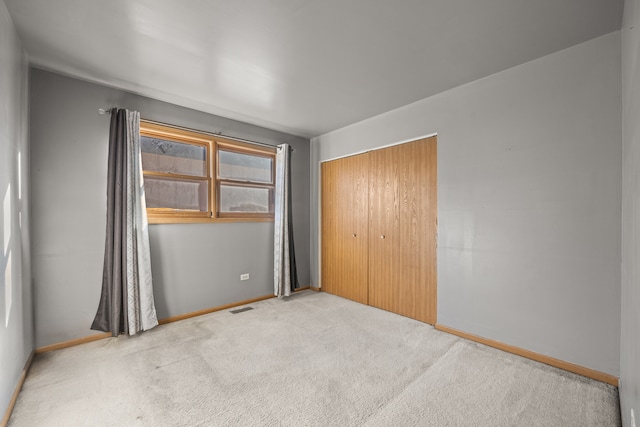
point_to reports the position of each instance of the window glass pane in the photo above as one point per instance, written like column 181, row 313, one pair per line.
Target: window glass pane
column 176, row 194
column 244, row 199
column 245, row 167
column 161, row 155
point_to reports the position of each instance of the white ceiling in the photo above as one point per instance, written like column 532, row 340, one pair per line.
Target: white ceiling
column 299, row 66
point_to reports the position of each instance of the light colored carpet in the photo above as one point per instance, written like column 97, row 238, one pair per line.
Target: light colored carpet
column 311, row 360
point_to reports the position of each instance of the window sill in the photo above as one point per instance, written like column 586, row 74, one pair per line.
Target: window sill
column 200, row 220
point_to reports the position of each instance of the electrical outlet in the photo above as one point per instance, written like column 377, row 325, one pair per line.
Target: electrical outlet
column 633, row 418
column 244, row 276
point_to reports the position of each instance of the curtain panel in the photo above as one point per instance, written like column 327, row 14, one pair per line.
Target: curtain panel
column 126, row 302
column 285, row 272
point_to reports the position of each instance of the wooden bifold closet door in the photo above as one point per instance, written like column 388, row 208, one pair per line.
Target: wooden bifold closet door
column 384, row 220
column 396, row 270
column 345, row 201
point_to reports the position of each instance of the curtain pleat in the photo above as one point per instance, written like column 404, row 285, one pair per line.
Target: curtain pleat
column 126, row 301
column 285, row 271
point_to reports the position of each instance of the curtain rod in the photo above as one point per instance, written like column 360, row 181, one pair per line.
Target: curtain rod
column 103, row 111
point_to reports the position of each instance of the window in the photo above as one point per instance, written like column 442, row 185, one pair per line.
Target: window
column 197, row 177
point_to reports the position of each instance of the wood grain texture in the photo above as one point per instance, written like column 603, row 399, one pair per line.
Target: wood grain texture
column 417, row 278
column 345, row 227
column 401, row 208
column 384, row 220
column 548, row 360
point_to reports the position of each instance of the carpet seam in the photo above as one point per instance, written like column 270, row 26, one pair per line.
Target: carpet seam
column 414, row 380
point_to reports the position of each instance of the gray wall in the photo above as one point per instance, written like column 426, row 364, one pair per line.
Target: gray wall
column 16, row 314
column 630, row 333
column 528, row 200
column 195, row 266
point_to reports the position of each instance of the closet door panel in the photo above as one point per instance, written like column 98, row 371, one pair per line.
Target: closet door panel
column 418, row 198
column 384, row 229
column 356, row 235
column 329, row 235
column 345, row 227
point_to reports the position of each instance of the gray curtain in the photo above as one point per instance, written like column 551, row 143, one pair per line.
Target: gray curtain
column 126, row 303
column 285, row 273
